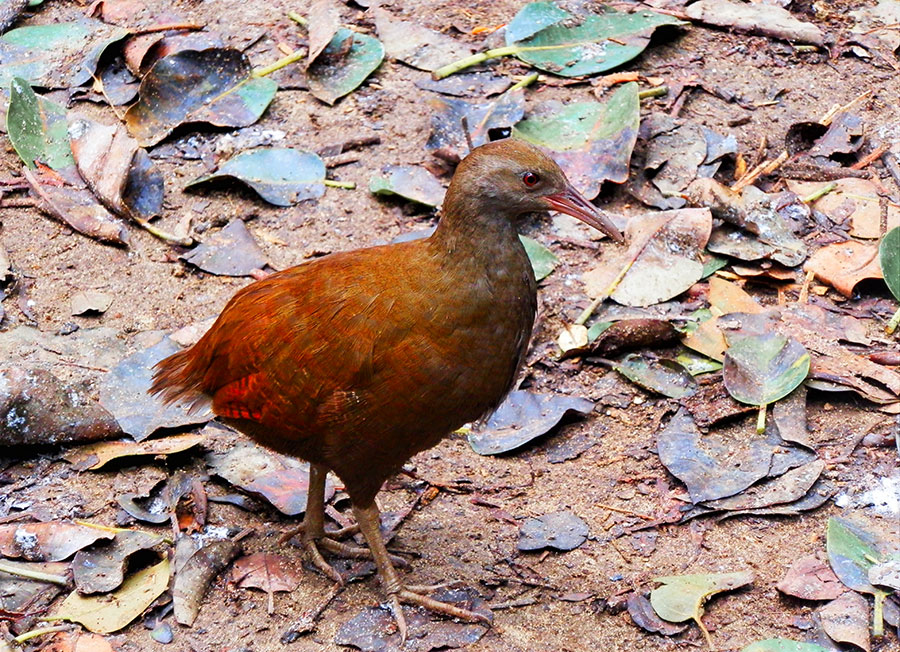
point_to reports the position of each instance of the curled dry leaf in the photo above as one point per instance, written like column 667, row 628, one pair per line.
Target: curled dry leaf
column 844, row 264
column 95, row 456
column 846, row 620
column 661, row 261
column 101, row 569
column 214, row 86
column 324, row 22
column 195, row 568
column 50, row 541
column 37, row 408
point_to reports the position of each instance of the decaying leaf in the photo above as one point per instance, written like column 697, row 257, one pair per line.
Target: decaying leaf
column 111, row 612
column 345, row 63
column 810, row 578
column 101, row 568
column 760, row 369
column 844, row 264
column 522, row 417
column 410, row 182
column 447, row 132
column 214, row 85
column 37, row 130
column 559, row 530
column 591, row 141
column 90, row 302
column 195, row 567
column 787, row 488
column 765, row 19
column 231, row 252
column 846, row 620
column 852, row 199
column 265, row 571
column 50, row 541
column 661, row 261
column 416, row 45
column 95, row 456
column 662, row 376
column 852, row 551
column 681, row 597
column 281, row 176
column 641, row 612
column 37, row 408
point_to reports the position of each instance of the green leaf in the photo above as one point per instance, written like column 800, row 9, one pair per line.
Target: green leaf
column 532, row 18
column 37, row 128
column 889, row 254
column 681, row 597
column 664, row 377
column 760, row 369
column 336, row 72
column 592, row 141
column 598, row 43
column 110, row 612
column 697, row 364
column 782, row 645
column 409, row 182
column 215, row 85
column 543, row 261
column 712, row 264
column 56, row 55
column 597, row 329
column 281, row 176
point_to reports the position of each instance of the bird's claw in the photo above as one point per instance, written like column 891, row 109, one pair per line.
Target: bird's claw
column 407, row 596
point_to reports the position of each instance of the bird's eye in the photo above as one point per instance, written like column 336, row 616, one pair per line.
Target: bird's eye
column 530, row 179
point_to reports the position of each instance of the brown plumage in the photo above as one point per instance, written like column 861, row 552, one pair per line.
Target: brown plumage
column 358, row 360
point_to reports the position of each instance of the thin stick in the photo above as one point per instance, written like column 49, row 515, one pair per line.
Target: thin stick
column 161, row 234
column 293, row 57
column 870, row 158
column 628, row 512
column 766, row 167
column 347, row 185
column 587, row 312
column 837, row 108
column 40, row 631
column 474, row 60
column 656, row 91
column 297, row 18
column 465, row 127
column 167, row 27
column 39, row 576
column 821, row 192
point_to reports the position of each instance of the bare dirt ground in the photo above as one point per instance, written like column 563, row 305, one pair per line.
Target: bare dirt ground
column 454, row 538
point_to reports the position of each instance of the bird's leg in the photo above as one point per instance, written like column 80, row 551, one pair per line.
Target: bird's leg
column 368, row 519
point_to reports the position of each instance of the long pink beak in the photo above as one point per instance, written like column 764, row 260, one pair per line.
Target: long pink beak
column 571, row 202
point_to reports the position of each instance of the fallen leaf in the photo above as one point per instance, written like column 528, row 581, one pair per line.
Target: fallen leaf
column 782, row 645
column 324, row 22
column 37, row 130
column 641, row 612
column 472, row 84
column 886, row 573
column 101, row 568
column 789, row 417
column 107, row 613
column 195, row 567
column 558, row 530
column 263, row 570
column 852, row 551
column 810, row 578
column 760, row 369
column 846, row 620
column 49, row 541
column 215, row 86
column 627, row 334
column 231, row 252
column 416, row 45
column 522, row 417
column 543, row 261
column 349, row 58
column 447, row 132
column 410, row 182
column 95, row 456
column 23, row 596
column 661, row 261
column 889, row 257
column 123, row 391
column 681, row 597
column 764, row 19
column 591, row 141
column 56, row 55
column 37, row 408
column 787, row 488
column 844, row 264
column 851, row 199
column 662, row 376
column 281, row 176
column 90, row 301
column 78, row 642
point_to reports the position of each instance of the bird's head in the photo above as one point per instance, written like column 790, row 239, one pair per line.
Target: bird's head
column 511, row 177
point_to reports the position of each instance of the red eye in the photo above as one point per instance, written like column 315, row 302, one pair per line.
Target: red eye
column 530, row 179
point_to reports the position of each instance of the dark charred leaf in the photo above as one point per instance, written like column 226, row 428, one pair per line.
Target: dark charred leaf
column 195, row 568
column 789, row 417
column 416, row 45
column 283, row 481
column 37, row 408
column 641, row 612
column 123, row 391
column 787, row 488
column 102, row 568
column 712, row 466
column 889, row 256
column 682, row 597
column 231, row 252
column 560, row 530
column 522, row 417
column 447, row 132
column 215, row 86
column 55, row 55
column 629, row 334
column 591, row 141
column 37, row 130
column 410, row 182
column 810, row 578
column 90, row 302
column 50, row 541
column 543, row 261
column 374, row 628
column 665, row 377
column 472, row 84
column 765, row 19
column 846, row 620
column 595, row 44
column 844, row 264
column 774, row 220
column 118, row 172
column 281, row 176
column 110, row 612
column 344, row 64
column 95, row 456
column 118, row 85
column 77, row 208
column 661, row 261
column 783, row 645
column 760, row 369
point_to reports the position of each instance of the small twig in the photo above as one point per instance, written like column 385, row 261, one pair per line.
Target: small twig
column 295, row 56
column 468, row 134
column 837, row 108
column 587, row 312
column 347, row 145
column 171, row 238
column 40, row 631
column 167, row 27
column 656, row 91
column 628, row 512
column 766, row 167
column 18, row 202
column 347, row 185
column 804, row 290
column 870, row 158
column 474, row 60
column 99, row 84
column 341, row 159
column 818, row 194
column 297, row 18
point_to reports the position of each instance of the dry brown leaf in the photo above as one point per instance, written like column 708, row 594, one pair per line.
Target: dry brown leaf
column 853, row 199
column 844, row 264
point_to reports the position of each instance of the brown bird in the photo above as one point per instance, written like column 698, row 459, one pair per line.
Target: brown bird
column 361, row 359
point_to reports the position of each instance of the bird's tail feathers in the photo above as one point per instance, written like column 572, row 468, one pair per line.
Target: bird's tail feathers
column 175, row 381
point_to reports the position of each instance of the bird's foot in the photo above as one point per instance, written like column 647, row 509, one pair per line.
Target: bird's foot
column 405, row 595
column 314, row 546
column 336, row 535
